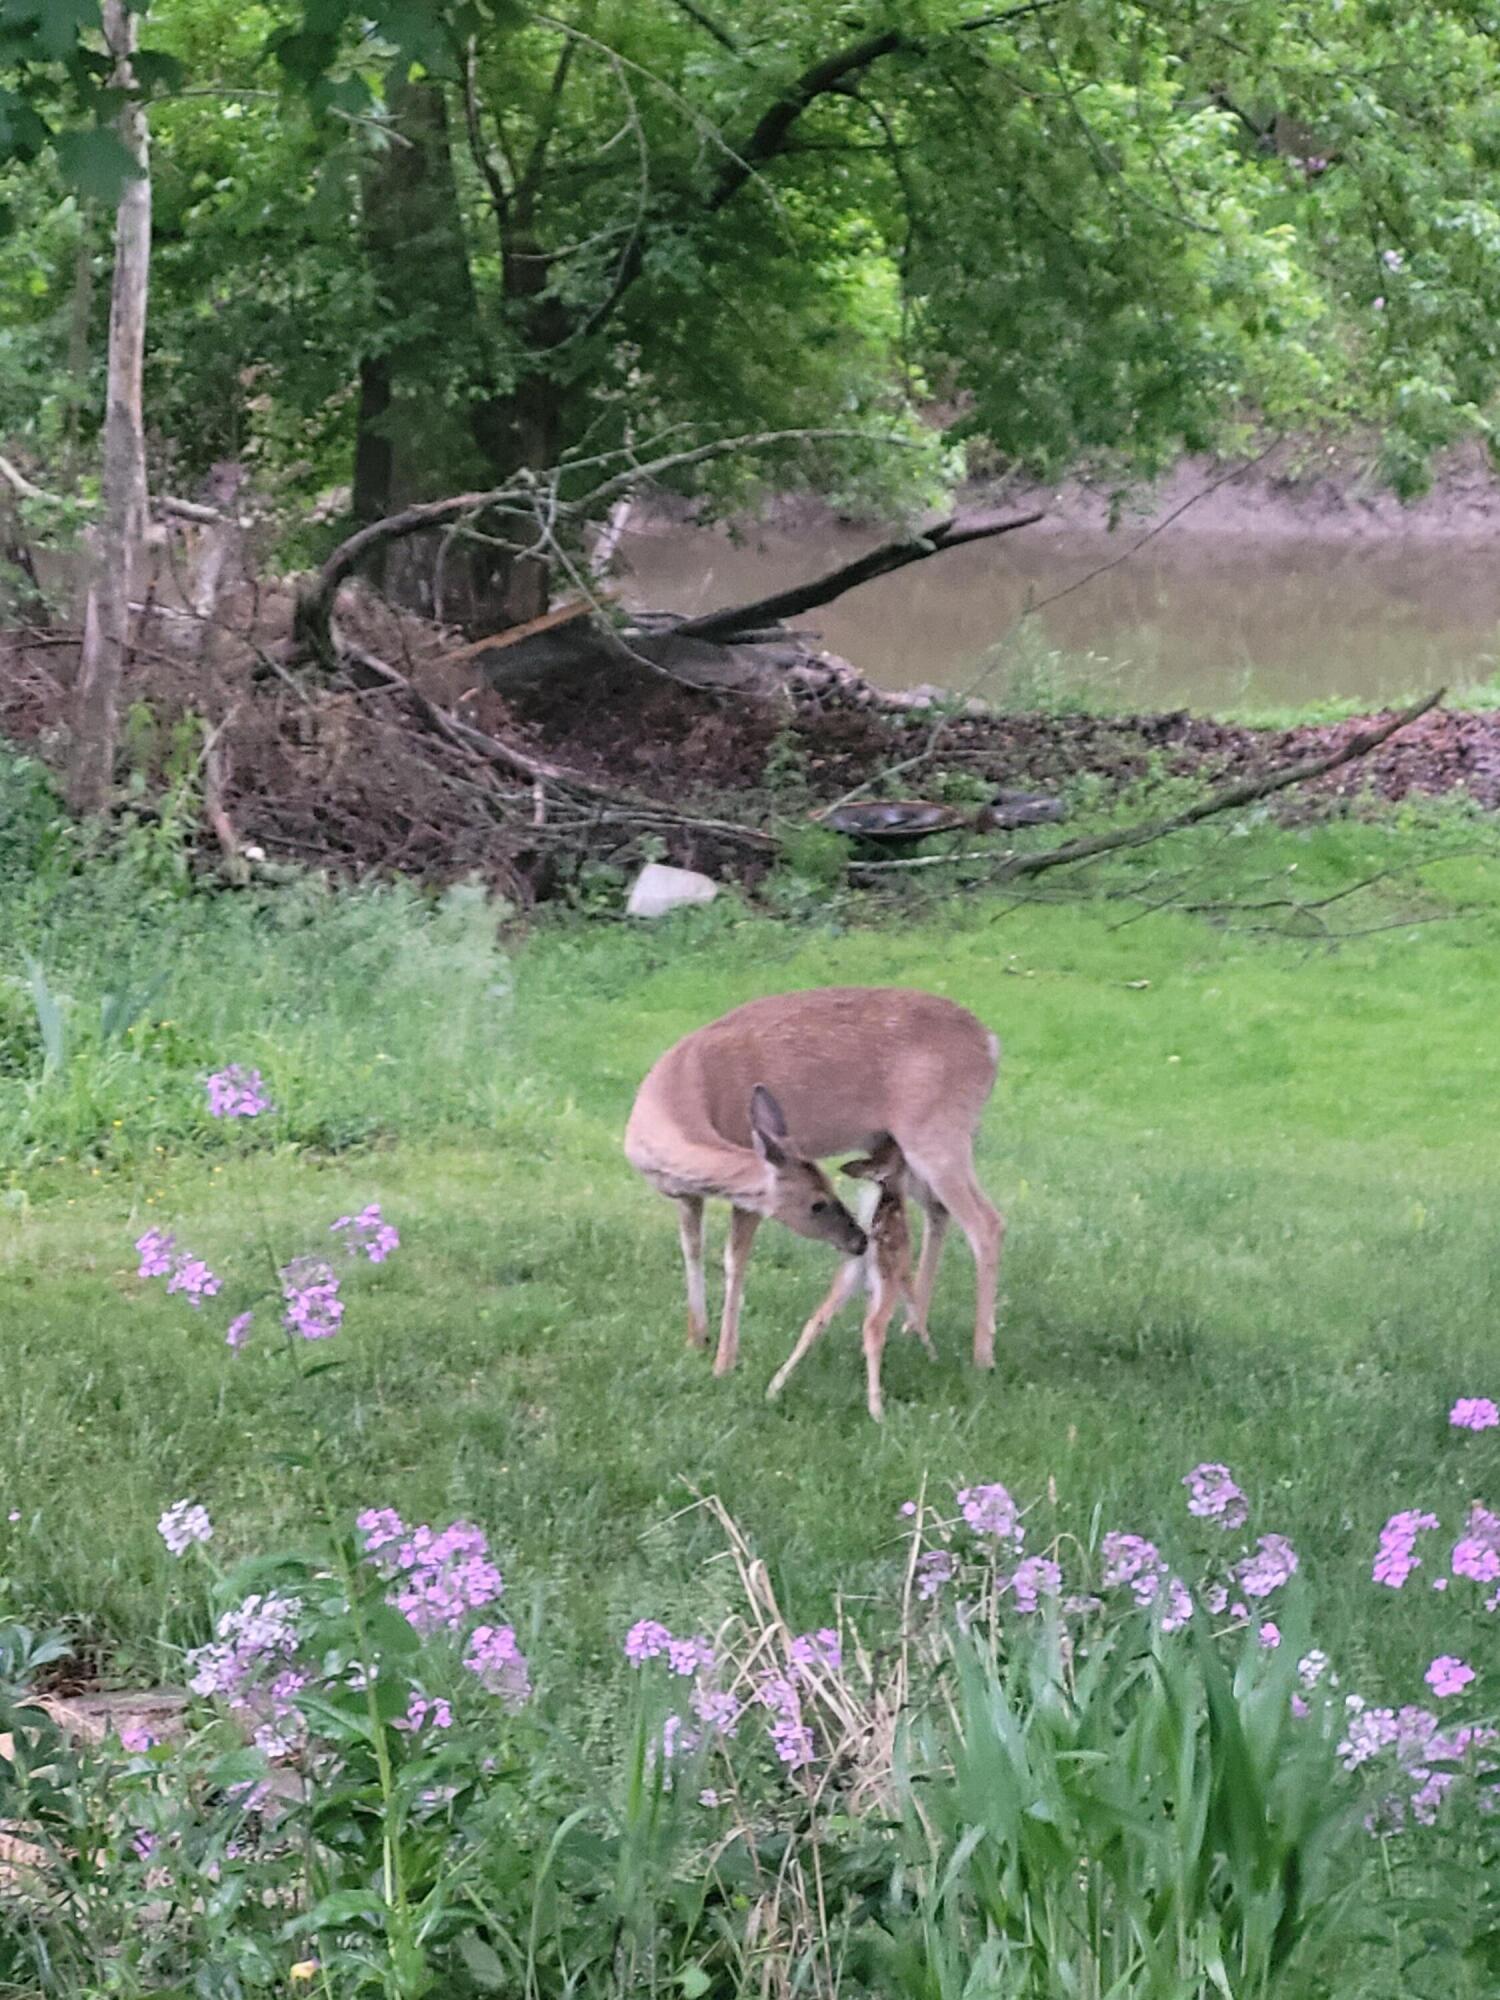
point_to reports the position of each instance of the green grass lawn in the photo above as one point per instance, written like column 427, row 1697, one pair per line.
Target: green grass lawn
column 1251, row 1192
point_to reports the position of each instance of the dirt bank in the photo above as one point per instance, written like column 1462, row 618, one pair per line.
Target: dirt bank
column 1296, row 490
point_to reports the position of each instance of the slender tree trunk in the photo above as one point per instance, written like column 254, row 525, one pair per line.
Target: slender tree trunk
column 122, row 530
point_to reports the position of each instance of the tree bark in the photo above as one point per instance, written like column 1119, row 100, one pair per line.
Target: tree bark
column 412, row 443
column 121, row 533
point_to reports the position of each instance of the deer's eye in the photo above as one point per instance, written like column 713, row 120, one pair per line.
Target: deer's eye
column 820, row 1208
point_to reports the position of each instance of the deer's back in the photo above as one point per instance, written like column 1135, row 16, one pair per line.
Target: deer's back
column 848, row 1064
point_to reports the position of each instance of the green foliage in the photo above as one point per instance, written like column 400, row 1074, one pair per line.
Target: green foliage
column 1087, row 228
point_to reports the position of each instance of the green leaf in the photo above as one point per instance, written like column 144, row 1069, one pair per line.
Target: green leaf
column 97, row 163
column 155, row 69
column 342, row 1907
column 22, row 132
column 483, row 1963
column 694, row 1981
column 61, row 23
column 391, row 1633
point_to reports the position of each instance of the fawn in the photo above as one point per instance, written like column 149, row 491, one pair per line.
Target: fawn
column 885, row 1268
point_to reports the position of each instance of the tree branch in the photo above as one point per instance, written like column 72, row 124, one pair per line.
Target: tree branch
column 742, row 618
column 820, row 79
column 1244, row 792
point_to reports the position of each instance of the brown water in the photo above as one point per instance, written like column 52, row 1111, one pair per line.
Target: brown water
column 1207, row 621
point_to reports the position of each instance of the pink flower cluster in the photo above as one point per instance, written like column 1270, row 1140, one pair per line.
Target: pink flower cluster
column 989, row 1510
column 1395, row 1560
column 314, row 1309
column 439, row 1576
column 183, row 1524
column 1214, row 1496
column 236, row 1092
column 497, row 1662
column 1474, row 1413
column 183, row 1272
column 256, row 1636
column 368, row 1234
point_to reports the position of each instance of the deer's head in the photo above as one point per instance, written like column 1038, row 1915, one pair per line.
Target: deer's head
column 801, row 1194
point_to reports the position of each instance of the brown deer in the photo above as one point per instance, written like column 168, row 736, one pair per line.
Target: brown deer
column 886, row 1270
column 741, row 1110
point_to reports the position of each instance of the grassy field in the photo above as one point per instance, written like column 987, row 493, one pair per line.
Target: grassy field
column 1250, row 1188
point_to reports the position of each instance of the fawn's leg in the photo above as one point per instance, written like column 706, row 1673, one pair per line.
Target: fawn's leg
column 916, row 1318
column 743, row 1223
column 690, row 1230
column 877, row 1319
column 844, row 1283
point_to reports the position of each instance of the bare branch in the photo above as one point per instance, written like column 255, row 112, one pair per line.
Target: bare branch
column 1244, row 792
column 742, row 618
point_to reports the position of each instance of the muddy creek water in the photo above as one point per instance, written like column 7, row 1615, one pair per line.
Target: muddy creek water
column 1206, row 622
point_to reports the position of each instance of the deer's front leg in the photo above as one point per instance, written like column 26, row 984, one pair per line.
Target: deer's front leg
column 743, row 1223
column 690, row 1230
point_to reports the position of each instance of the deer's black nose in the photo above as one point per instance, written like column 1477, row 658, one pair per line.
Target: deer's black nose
column 859, row 1243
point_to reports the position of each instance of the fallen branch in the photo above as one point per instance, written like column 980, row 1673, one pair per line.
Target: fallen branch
column 166, row 503
column 531, row 493
column 742, row 619
column 1243, row 792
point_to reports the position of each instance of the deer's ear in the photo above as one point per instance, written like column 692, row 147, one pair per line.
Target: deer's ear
column 768, row 1127
column 858, row 1170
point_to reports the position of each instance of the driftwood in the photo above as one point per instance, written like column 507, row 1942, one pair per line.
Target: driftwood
column 1243, row 792
column 742, row 619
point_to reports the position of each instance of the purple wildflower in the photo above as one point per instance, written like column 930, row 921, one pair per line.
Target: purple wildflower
column 256, row 1637
column 1272, row 1565
column 1216, row 1600
column 1474, row 1413
column 368, row 1233
column 1311, row 1668
column 1179, row 1605
column 791, row 1738
column 716, row 1709
column 239, row 1331
column 155, row 1250
column 1476, row 1554
column 686, row 1656
column 989, row 1510
column 136, row 1739
column 183, row 1524
column 907, row 1509
column 1034, row 1579
column 440, row 1576
column 423, row 1712
column 817, row 1649
column 1132, row 1559
column 236, row 1092
column 646, row 1640
column 192, row 1276
column 497, row 1662
column 1367, row 1733
column 1448, row 1675
column 1394, row 1562
column 313, row 1306
column 1392, row 259
column 934, row 1569
column 1269, row 1635
column 1214, row 1496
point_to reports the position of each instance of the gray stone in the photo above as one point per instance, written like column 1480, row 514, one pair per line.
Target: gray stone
column 658, row 889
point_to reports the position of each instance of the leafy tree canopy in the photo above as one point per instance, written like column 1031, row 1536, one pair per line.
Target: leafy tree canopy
column 1092, row 231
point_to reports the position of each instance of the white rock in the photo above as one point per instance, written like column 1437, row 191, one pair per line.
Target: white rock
column 658, row 889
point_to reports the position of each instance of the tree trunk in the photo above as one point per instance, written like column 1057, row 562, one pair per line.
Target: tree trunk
column 121, row 533
column 415, row 440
